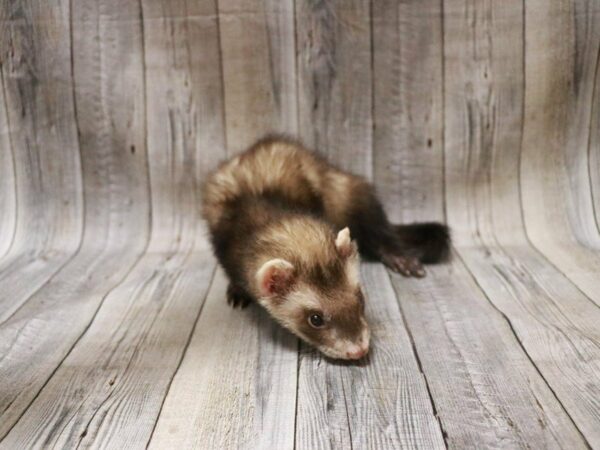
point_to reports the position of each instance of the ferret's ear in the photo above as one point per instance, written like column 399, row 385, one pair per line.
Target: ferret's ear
column 275, row 277
column 344, row 244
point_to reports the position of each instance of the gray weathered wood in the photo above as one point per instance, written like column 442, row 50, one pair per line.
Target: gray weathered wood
column 111, row 114
column 381, row 403
column 175, row 228
column 488, row 83
column 559, row 337
column 8, row 200
column 557, row 127
column 334, row 81
column 484, row 95
column 252, row 408
column 38, row 97
column 485, row 389
column 38, row 335
column 594, row 147
column 184, row 114
column 259, row 70
column 109, row 389
column 236, row 387
column 408, row 108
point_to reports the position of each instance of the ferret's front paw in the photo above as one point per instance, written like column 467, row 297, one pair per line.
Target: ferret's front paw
column 237, row 297
column 409, row 266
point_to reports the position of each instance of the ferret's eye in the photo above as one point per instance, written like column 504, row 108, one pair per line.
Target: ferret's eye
column 316, row 320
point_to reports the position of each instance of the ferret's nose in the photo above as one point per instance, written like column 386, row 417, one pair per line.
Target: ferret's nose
column 358, row 353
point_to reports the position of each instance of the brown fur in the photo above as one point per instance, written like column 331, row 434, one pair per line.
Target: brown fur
column 270, row 164
column 277, row 163
column 274, row 212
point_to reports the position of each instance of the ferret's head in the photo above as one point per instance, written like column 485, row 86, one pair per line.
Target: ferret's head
column 318, row 296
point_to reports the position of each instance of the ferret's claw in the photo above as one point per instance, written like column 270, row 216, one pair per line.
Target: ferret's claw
column 415, row 268
column 420, row 272
column 237, row 297
column 405, row 265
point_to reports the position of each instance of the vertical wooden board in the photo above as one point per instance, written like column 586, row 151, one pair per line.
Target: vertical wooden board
column 585, row 24
column 109, row 389
column 380, row 403
column 483, row 114
column 554, row 180
column 236, row 386
column 259, row 69
column 38, row 101
column 408, row 108
column 546, row 115
column 485, row 388
column 594, row 146
column 335, row 81
column 38, row 92
column 108, row 70
column 185, row 113
column 8, row 182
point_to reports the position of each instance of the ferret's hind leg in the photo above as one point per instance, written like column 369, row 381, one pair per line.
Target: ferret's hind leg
column 409, row 266
column 237, row 296
column 429, row 241
column 377, row 238
column 417, row 244
column 402, row 248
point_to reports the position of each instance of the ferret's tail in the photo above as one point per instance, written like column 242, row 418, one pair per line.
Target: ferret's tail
column 429, row 241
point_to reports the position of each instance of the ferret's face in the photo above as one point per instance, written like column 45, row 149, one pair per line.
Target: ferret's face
column 323, row 304
column 333, row 322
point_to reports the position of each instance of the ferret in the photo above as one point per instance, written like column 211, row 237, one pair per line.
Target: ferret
column 288, row 228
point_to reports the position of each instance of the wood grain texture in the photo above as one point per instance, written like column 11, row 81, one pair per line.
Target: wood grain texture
column 408, row 108
column 557, row 131
column 8, row 183
column 560, row 337
column 484, row 95
column 594, row 145
column 259, row 69
column 485, row 147
column 186, row 130
column 110, row 100
column 381, row 403
column 109, row 389
column 236, row 387
column 8, row 201
column 335, row 81
column 114, row 330
column 253, row 408
column 38, row 97
column 474, row 364
column 42, row 331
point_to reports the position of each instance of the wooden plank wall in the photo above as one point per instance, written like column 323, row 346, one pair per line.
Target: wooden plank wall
column 483, row 114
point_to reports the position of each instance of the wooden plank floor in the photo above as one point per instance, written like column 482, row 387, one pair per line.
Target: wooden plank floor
column 160, row 359
column 114, row 329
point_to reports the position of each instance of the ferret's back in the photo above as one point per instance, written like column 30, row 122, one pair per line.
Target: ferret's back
column 273, row 166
